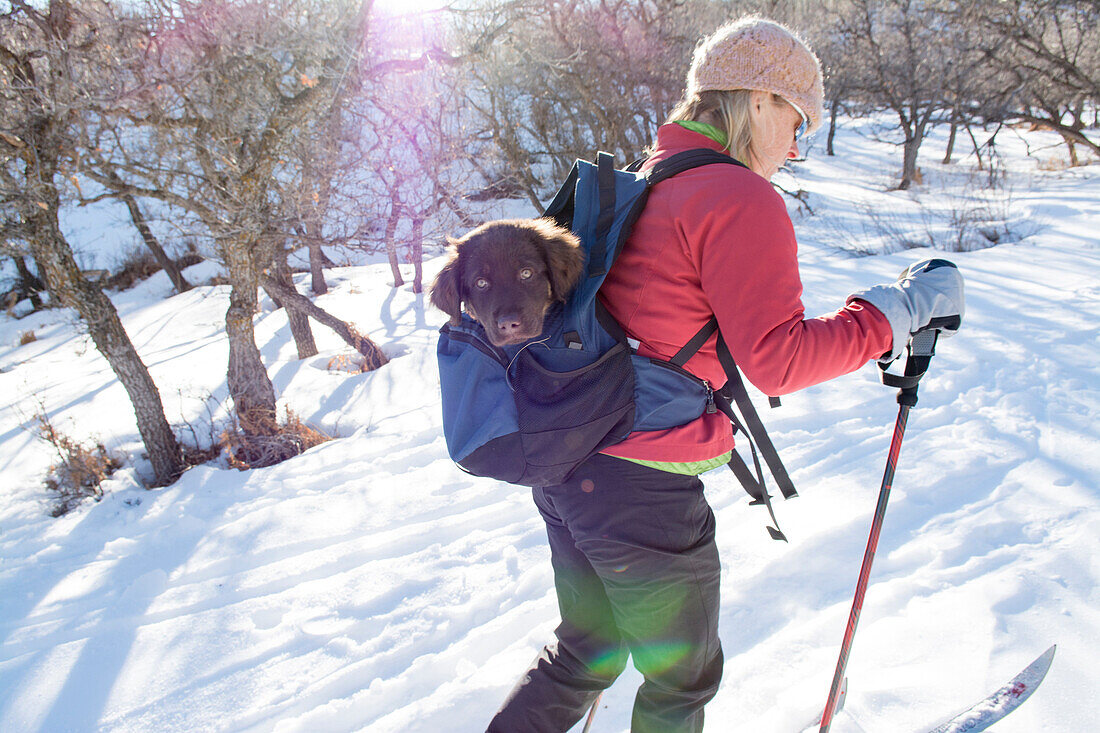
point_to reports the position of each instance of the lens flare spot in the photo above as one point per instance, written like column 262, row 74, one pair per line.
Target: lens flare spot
column 588, row 486
column 609, row 664
column 661, row 656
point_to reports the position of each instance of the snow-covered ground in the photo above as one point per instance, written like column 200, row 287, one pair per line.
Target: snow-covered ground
column 370, row 585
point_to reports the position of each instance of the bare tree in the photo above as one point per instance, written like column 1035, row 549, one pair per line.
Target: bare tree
column 899, row 53
column 1048, row 63
column 228, row 88
column 419, row 159
column 415, row 152
column 562, row 78
column 137, row 216
column 50, row 57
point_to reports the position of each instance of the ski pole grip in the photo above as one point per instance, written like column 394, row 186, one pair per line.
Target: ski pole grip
column 922, row 345
column 921, row 348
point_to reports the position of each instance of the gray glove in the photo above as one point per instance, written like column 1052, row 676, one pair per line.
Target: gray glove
column 927, row 294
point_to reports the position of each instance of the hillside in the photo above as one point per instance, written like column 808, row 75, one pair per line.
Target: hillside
column 369, row 584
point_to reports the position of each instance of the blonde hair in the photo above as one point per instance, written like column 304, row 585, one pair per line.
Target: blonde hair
column 729, row 110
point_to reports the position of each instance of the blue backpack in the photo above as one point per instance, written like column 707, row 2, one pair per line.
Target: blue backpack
column 530, row 413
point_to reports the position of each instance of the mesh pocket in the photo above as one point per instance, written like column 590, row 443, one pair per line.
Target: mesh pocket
column 564, row 417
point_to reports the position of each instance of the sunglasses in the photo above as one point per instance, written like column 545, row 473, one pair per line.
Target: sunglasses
column 802, row 126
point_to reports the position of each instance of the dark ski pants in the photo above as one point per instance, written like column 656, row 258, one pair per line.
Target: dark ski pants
column 636, row 572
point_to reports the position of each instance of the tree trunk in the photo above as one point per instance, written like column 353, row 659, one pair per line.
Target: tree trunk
column 909, row 173
column 167, row 263
column 391, row 244
column 299, row 322
column 251, row 389
column 951, row 136
column 316, row 264
column 54, row 256
column 292, row 299
column 1073, row 160
column 975, row 145
column 834, row 110
column 416, row 253
column 30, row 285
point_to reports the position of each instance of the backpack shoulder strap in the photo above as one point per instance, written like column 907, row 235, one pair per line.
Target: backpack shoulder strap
column 685, row 161
column 605, row 180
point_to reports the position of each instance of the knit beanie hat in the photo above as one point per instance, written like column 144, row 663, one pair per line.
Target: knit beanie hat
column 754, row 53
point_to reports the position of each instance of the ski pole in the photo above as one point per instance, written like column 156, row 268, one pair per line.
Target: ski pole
column 921, row 348
column 592, row 714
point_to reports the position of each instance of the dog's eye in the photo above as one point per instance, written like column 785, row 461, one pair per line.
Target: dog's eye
column 481, row 283
column 526, row 273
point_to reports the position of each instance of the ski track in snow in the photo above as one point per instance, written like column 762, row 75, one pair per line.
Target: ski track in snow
column 370, row 585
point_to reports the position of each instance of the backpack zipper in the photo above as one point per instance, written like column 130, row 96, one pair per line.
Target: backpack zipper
column 468, row 338
column 711, row 407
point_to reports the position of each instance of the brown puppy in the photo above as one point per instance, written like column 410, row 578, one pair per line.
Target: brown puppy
column 507, row 274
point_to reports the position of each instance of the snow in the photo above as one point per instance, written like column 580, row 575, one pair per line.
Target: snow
column 371, row 585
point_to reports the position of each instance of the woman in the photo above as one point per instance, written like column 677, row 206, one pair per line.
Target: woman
column 631, row 535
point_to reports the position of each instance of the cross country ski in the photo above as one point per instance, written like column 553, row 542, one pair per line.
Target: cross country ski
column 989, row 710
column 985, row 713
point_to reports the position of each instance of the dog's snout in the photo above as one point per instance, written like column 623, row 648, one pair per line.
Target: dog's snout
column 509, row 325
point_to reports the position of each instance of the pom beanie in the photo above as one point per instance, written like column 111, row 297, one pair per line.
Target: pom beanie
column 754, row 53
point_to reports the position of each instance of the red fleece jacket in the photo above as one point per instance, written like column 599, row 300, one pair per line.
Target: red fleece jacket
column 718, row 240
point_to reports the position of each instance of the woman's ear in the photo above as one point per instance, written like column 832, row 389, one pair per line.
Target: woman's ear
column 446, row 292
column 757, row 101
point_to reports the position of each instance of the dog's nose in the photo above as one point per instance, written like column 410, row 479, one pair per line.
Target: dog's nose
column 508, row 325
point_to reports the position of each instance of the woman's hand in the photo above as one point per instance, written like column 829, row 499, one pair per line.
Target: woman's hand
column 927, row 294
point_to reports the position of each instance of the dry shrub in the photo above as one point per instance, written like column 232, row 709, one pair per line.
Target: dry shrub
column 189, row 259
column 79, row 471
column 196, row 456
column 267, row 443
column 373, row 357
column 356, row 364
column 27, row 337
column 137, row 265
column 1053, row 164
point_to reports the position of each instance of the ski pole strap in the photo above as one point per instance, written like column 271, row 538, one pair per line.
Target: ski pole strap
column 921, row 348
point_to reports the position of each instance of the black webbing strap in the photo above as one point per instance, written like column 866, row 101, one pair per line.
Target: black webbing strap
column 756, row 435
column 691, row 348
column 605, row 319
column 736, row 387
column 921, row 348
column 754, row 484
column 605, row 181
column 685, row 161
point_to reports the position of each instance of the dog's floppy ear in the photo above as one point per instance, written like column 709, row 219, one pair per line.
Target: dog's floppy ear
column 563, row 254
column 447, row 293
